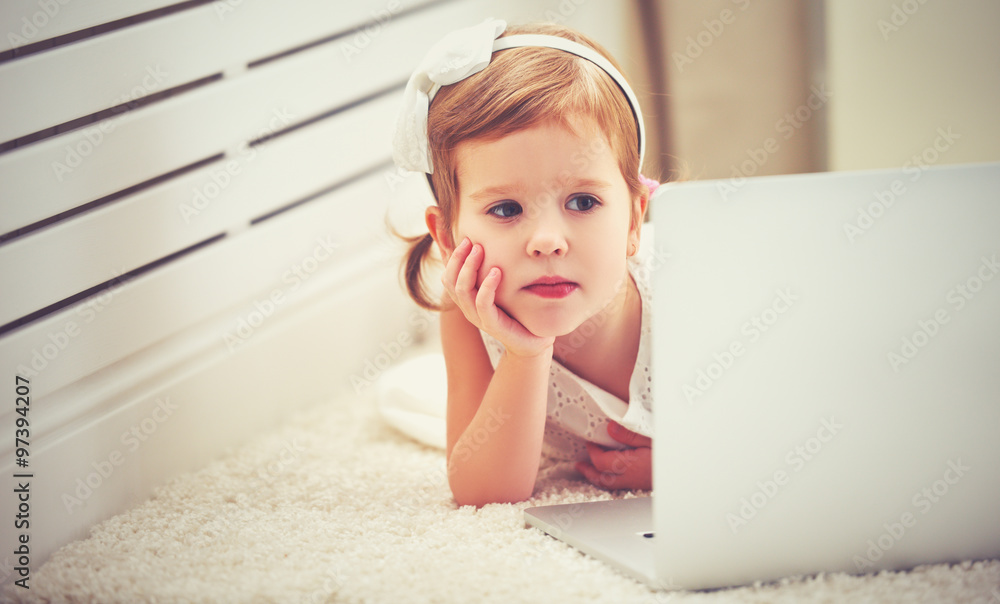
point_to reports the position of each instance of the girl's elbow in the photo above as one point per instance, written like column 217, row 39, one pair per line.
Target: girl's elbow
column 476, row 485
column 478, row 497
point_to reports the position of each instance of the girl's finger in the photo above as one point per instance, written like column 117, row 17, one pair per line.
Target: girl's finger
column 611, row 469
column 455, row 262
column 604, row 480
column 627, row 437
column 487, row 294
column 469, row 273
column 604, row 459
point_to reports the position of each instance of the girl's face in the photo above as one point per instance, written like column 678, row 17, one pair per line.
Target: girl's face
column 553, row 212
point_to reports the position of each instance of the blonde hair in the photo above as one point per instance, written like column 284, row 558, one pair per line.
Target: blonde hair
column 520, row 88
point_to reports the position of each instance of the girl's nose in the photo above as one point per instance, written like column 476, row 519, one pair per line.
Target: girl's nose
column 547, row 238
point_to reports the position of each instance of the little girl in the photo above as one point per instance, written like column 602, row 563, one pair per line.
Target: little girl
column 532, row 141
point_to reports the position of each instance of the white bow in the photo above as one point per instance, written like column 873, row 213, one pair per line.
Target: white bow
column 455, row 57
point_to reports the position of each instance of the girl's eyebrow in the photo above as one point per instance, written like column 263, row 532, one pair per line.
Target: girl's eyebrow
column 590, row 183
column 503, row 191
column 496, row 192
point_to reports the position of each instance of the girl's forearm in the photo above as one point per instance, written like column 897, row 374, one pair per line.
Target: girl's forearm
column 497, row 455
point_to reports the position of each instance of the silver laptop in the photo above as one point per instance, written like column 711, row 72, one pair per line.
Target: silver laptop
column 826, row 372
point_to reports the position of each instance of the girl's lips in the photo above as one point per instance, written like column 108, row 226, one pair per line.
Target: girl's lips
column 551, row 287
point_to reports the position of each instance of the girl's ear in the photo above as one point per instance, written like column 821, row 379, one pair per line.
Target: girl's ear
column 639, row 206
column 440, row 232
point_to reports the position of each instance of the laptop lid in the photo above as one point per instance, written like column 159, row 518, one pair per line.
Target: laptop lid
column 826, row 358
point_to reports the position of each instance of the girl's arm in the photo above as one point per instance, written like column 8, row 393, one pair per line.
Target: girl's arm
column 496, row 418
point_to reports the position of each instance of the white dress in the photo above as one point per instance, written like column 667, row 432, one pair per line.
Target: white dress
column 578, row 411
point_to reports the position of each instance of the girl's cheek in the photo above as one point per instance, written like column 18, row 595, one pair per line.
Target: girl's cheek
column 491, row 258
column 484, row 268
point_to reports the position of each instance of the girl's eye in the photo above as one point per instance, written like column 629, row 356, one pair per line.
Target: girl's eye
column 506, row 209
column 583, row 203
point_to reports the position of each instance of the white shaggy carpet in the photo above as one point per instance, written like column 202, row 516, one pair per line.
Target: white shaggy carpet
column 338, row 507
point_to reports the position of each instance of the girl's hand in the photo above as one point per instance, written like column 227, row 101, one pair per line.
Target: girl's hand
column 478, row 304
column 613, row 469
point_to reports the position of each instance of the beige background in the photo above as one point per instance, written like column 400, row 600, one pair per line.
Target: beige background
column 896, row 72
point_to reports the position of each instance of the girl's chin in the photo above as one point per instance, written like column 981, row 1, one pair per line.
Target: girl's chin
column 548, row 331
column 545, row 327
column 544, row 322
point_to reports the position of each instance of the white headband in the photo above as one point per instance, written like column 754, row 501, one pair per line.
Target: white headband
column 461, row 54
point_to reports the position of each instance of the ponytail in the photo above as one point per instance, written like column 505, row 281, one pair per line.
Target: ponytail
column 412, row 268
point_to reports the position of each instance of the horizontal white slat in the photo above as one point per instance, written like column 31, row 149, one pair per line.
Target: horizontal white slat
column 57, row 262
column 143, row 144
column 29, row 21
column 71, row 81
column 96, row 333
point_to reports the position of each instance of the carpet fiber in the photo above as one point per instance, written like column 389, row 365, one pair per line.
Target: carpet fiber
column 336, row 506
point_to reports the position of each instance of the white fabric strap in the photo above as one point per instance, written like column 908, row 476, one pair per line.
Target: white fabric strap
column 461, row 54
